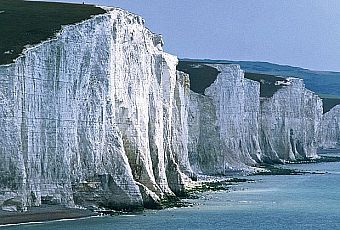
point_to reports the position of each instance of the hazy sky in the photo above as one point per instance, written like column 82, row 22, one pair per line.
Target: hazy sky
column 303, row 33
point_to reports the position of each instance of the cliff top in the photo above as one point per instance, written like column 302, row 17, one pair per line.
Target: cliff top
column 320, row 82
column 25, row 23
column 329, row 102
column 202, row 76
column 326, row 84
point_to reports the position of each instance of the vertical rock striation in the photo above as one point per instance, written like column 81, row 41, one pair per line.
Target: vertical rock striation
column 93, row 117
column 329, row 136
column 231, row 127
column 223, row 123
column 289, row 123
column 100, row 117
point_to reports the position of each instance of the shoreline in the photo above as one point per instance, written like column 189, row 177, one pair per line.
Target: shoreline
column 46, row 213
column 43, row 213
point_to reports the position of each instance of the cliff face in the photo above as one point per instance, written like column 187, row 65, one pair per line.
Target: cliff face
column 289, row 123
column 329, row 136
column 100, row 117
column 93, row 118
column 223, row 123
column 232, row 128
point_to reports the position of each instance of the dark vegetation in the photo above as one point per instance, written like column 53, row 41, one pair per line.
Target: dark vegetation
column 329, row 102
column 321, row 82
column 326, row 158
column 201, row 76
column 267, row 83
column 27, row 23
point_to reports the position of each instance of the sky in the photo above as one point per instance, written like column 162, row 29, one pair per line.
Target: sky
column 303, row 33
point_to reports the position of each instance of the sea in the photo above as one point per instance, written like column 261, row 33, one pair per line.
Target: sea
column 308, row 201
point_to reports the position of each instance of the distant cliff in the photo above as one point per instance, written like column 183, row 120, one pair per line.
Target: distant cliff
column 289, row 123
column 231, row 126
column 330, row 129
column 223, row 126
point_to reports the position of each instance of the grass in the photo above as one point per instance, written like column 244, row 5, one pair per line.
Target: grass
column 267, row 83
column 27, row 23
column 329, row 102
column 201, row 76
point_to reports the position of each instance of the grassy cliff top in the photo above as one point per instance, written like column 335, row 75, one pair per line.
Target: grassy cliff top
column 202, row 76
column 28, row 23
column 321, row 82
column 326, row 84
column 267, row 83
column 329, row 102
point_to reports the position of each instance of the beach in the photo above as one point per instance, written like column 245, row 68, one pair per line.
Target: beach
column 42, row 214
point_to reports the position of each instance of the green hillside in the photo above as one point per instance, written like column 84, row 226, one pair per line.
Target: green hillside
column 202, row 76
column 267, row 83
column 326, row 84
column 329, row 102
column 321, row 82
column 27, row 23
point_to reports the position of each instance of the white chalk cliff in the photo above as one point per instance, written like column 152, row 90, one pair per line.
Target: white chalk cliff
column 223, row 123
column 330, row 129
column 94, row 117
column 231, row 127
column 289, row 123
column 100, row 117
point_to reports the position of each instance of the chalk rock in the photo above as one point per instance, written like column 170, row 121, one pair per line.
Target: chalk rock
column 289, row 123
column 86, row 115
column 231, row 128
column 329, row 136
column 223, row 127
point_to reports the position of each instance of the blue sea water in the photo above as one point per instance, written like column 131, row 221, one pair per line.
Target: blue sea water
column 309, row 201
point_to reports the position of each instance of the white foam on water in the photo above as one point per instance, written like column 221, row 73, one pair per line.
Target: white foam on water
column 250, row 191
column 49, row 221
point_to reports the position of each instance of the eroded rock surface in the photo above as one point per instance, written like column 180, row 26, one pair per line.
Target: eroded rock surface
column 231, row 127
column 90, row 113
column 100, row 117
column 289, row 123
column 223, row 123
column 330, row 129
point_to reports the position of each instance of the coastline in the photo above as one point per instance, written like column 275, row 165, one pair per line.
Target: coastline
column 271, row 201
column 42, row 214
column 46, row 213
